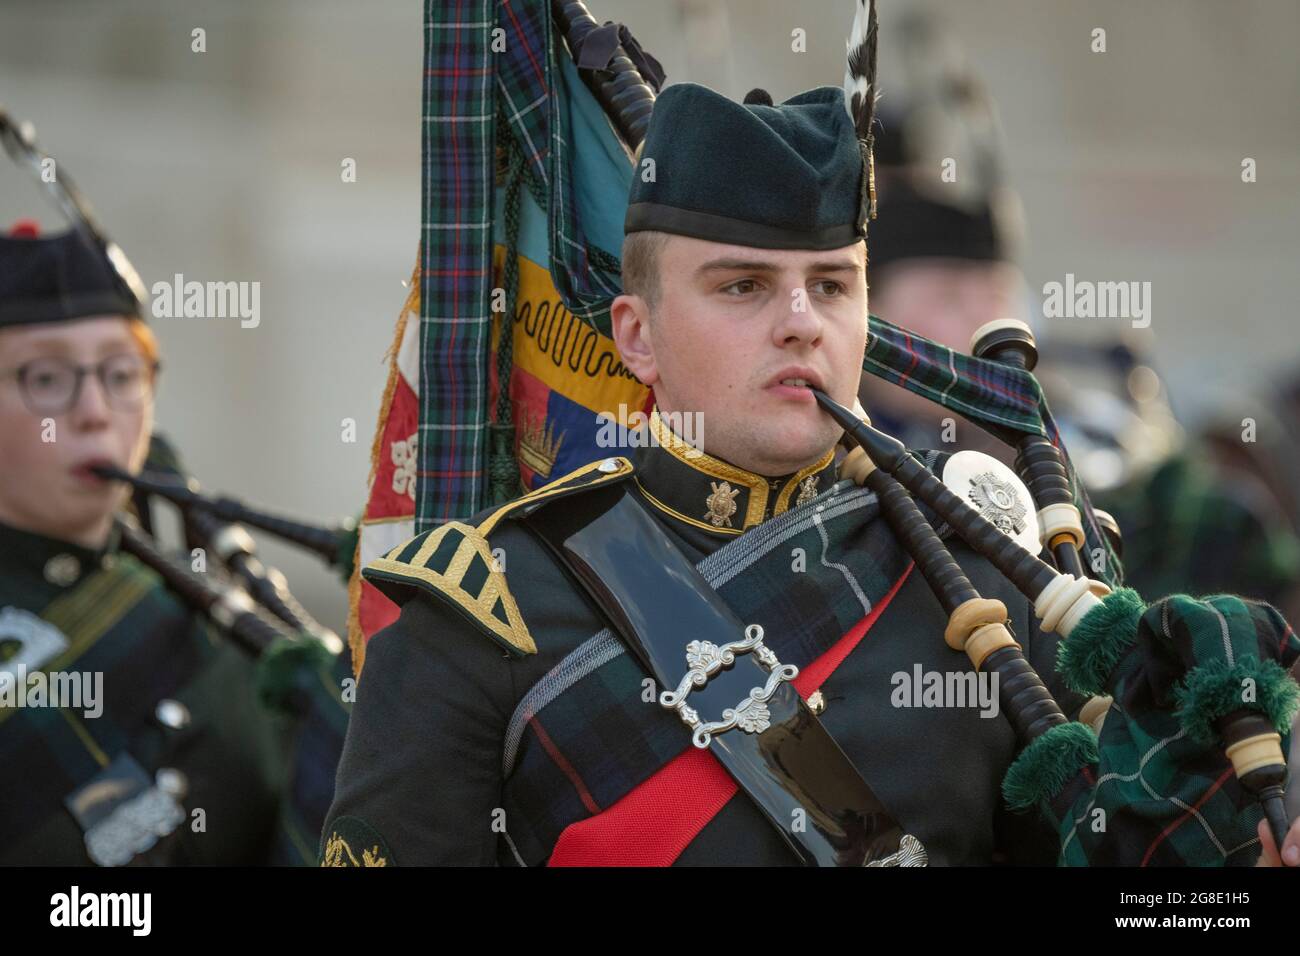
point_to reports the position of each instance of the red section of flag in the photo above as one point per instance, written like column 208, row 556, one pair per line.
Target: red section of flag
column 376, row 611
column 531, row 397
column 652, row 824
column 385, row 500
column 389, row 497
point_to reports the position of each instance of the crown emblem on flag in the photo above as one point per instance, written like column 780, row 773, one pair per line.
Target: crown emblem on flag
column 539, row 445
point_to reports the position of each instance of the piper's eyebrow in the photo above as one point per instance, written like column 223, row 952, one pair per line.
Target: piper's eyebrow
column 735, row 265
column 116, row 344
column 745, row 265
column 836, row 265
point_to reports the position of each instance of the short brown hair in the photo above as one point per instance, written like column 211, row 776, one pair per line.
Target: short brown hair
column 641, row 252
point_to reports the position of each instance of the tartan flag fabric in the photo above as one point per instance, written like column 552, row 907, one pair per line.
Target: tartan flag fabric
column 456, row 264
column 566, row 373
column 468, row 84
column 429, row 458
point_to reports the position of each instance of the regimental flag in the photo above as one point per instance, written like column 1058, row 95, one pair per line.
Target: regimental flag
column 521, row 169
column 565, row 373
column 520, row 165
column 558, row 215
column 389, row 515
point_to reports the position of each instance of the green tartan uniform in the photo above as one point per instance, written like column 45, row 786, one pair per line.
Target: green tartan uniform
column 153, row 653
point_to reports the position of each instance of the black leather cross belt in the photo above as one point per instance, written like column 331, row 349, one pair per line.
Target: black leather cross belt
column 726, row 684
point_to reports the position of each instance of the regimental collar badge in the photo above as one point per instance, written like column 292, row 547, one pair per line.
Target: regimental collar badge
column 722, row 504
column 807, row 491
column 997, row 493
column 676, row 478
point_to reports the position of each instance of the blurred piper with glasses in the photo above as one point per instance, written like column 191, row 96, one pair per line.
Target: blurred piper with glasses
column 129, row 731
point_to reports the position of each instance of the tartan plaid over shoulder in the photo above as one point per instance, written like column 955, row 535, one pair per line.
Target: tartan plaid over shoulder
column 600, row 685
column 585, row 735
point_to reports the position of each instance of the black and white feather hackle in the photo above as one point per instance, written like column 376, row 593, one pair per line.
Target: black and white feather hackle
column 860, row 92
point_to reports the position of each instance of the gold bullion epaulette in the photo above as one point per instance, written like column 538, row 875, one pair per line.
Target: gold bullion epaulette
column 455, row 562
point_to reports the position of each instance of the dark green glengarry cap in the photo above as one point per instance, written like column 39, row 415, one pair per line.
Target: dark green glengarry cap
column 775, row 177
column 59, row 277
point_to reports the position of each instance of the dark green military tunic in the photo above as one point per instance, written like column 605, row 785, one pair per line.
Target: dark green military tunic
column 423, row 780
column 177, row 738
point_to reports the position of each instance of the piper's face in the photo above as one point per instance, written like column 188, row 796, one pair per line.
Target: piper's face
column 738, row 334
column 45, row 487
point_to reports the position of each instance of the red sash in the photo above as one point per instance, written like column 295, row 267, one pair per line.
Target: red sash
column 653, row 823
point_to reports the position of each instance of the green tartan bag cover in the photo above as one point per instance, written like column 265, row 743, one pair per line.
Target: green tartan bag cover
column 1156, row 787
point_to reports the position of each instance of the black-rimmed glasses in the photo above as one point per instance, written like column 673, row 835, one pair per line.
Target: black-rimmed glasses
column 51, row 386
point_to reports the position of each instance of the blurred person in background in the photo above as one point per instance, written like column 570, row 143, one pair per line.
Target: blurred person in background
column 946, row 232
column 1198, row 508
column 1195, row 514
column 163, row 755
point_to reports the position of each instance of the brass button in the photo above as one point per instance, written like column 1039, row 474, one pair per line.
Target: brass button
column 816, row 702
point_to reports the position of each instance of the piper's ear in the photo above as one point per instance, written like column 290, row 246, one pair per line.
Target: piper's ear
column 630, row 319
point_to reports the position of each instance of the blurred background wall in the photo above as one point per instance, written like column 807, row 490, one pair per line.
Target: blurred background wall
column 225, row 166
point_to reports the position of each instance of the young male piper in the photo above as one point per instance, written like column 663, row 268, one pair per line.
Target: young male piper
column 503, row 719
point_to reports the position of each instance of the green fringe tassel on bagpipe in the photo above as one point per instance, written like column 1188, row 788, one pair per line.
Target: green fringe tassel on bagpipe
column 1099, row 641
column 1048, row 764
column 1217, row 688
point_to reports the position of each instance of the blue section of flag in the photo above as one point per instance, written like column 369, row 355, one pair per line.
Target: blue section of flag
column 577, row 424
column 602, row 171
